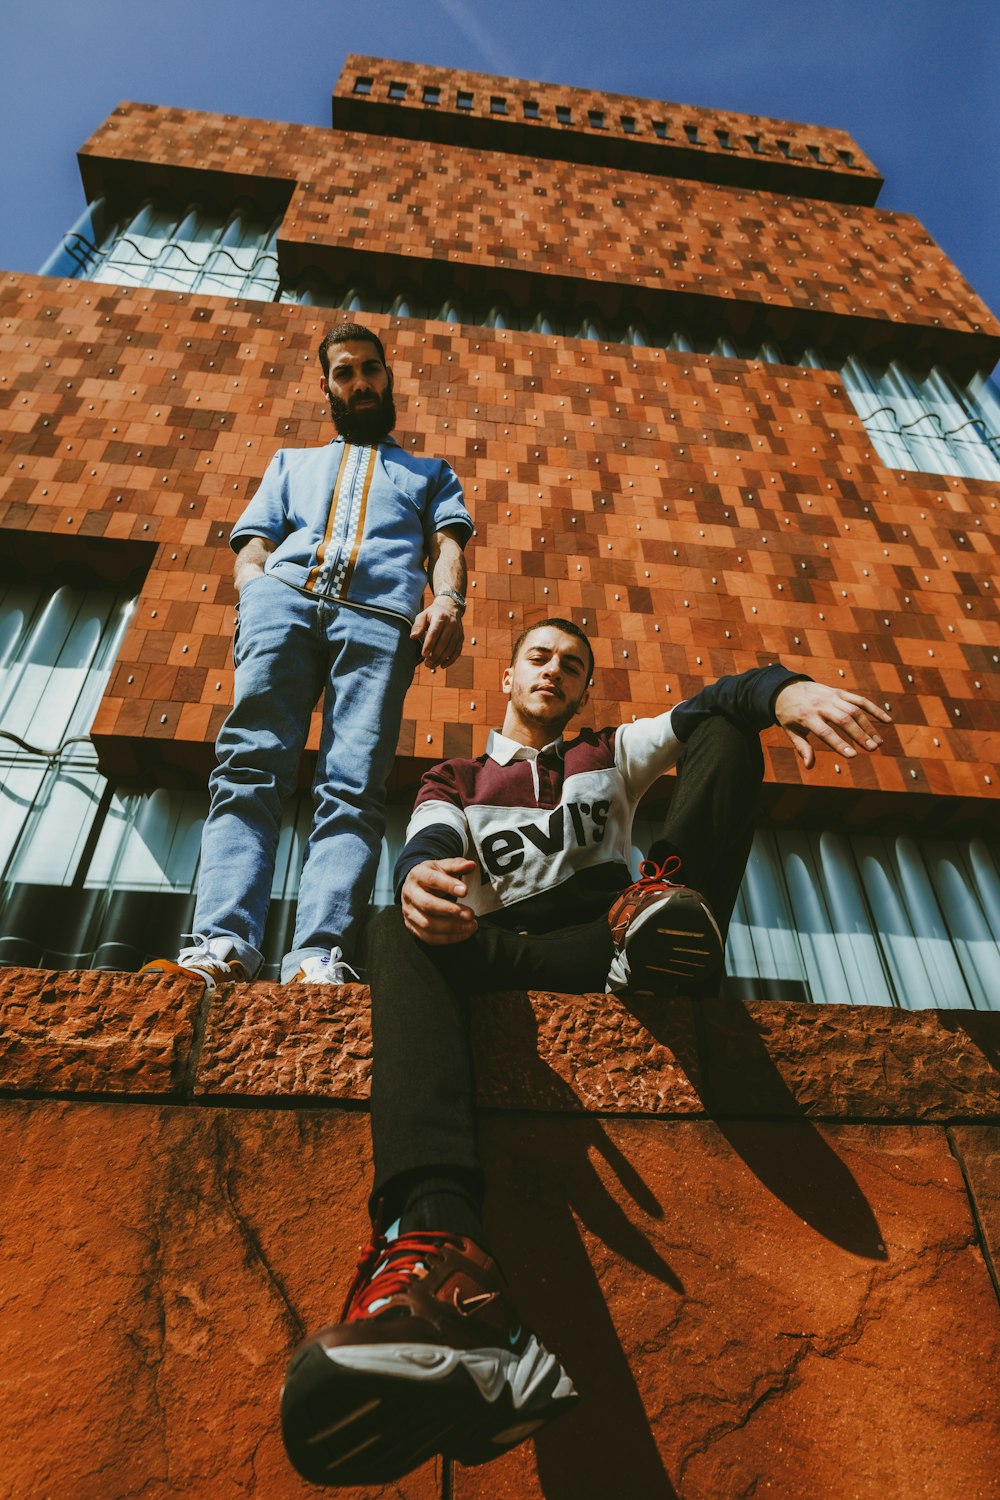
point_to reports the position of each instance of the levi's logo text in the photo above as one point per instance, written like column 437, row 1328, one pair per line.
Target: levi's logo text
column 572, row 824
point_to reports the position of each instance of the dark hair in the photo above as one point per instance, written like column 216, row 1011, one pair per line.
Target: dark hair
column 347, row 333
column 557, row 623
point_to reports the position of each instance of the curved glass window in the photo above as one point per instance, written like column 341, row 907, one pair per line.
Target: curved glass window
column 865, row 920
column 927, row 423
column 234, row 255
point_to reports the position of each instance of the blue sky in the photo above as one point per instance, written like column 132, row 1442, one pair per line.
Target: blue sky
column 914, row 81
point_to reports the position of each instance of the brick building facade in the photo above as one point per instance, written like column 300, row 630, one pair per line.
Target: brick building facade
column 712, row 476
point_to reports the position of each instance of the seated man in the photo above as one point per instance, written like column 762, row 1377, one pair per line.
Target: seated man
column 516, row 874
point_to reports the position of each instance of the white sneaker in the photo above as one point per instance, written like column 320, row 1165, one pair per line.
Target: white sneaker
column 325, row 968
column 212, row 960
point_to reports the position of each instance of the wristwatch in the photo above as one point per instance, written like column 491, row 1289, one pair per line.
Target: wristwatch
column 452, row 594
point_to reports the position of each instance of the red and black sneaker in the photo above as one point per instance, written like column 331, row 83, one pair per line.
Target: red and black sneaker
column 665, row 935
column 429, row 1358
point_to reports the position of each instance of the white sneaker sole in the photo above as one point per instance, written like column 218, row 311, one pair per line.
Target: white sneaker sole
column 369, row 1413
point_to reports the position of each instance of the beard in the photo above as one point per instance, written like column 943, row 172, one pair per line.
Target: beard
column 368, row 425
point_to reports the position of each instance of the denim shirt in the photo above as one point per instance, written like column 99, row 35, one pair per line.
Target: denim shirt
column 354, row 523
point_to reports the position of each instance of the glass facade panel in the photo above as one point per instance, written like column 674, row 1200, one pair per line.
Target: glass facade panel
column 929, row 424
column 149, row 841
column 233, row 256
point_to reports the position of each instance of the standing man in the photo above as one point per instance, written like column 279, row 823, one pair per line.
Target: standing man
column 333, row 556
column 516, row 874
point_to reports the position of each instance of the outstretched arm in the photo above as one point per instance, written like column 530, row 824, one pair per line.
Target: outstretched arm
column 439, row 626
column 842, row 720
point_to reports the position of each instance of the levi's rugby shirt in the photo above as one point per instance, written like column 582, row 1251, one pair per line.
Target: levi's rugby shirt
column 550, row 830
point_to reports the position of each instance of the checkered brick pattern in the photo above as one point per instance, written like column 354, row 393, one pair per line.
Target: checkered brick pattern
column 364, row 195
column 699, row 515
column 751, row 137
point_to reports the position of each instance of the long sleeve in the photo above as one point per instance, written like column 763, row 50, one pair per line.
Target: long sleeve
column 647, row 748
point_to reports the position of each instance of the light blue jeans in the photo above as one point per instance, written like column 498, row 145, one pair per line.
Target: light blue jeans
column 290, row 649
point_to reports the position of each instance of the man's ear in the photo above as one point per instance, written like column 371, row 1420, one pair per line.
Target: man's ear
column 324, row 386
column 389, row 374
column 507, row 679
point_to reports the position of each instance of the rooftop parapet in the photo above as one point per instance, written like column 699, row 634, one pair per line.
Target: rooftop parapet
column 424, row 102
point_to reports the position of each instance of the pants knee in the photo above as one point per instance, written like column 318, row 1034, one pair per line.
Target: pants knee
column 386, row 928
column 732, row 747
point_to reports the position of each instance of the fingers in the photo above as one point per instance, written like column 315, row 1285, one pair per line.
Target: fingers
column 442, row 632
column 430, row 901
column 440, row 928
column 802, row 747
column 869, row 707
column 842, row 720
column 419, row 626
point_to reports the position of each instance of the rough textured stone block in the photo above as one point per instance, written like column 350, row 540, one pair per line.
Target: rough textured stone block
column 532, row 1051
column 290, row 1041
column 158, row 1264
column 586, row 1052
column 756, row 1309
column 84, row 1030
column 978, row 1149
column 867, row 1061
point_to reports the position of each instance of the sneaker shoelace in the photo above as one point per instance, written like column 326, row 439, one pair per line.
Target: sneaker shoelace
column 654, row 877
column 200, row 950
column 339, row 967
column 386, row 1268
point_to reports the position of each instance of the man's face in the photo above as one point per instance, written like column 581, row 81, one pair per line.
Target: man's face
column 549, row 679
column 359, row 389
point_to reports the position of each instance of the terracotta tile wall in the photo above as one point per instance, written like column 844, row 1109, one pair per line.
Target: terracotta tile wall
column 364, row 195
column 702, row 515
column 483, row 87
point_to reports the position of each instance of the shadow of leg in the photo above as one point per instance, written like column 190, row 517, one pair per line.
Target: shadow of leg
column 540, row 1175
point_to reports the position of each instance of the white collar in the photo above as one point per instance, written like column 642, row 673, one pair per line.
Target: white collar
column 504, row 750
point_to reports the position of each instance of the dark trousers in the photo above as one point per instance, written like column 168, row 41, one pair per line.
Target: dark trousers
column 423, row 1085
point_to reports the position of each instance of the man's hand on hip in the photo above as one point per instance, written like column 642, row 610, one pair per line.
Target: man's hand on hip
column 430, row 901
column 842, row 720
column 250, row 560
column 439, row 627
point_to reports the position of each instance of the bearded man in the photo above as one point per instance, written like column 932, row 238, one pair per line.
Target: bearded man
column 333, row 557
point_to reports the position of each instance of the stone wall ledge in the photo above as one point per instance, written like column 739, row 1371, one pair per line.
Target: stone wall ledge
column 99, row 1033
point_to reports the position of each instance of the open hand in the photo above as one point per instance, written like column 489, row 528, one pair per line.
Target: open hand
column 430, row 900
column 843, row 720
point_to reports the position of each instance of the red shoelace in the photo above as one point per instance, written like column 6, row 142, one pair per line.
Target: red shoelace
column 398, row 1262
column 652, row 875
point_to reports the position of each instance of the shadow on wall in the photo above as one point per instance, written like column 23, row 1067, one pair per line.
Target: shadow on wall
column 808, row 1177
column 553, row 1184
